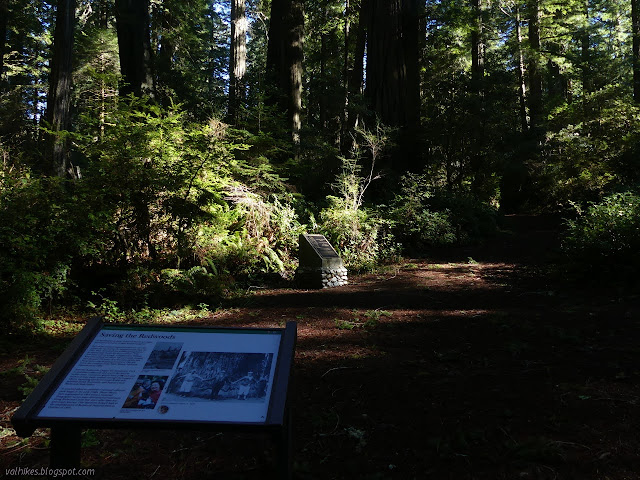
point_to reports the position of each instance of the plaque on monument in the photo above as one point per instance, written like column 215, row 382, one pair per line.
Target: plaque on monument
column 320, row 265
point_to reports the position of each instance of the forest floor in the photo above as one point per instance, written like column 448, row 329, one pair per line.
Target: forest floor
column 473, row 363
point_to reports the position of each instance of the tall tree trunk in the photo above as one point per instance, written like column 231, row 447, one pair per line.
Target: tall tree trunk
column 584, row 51
column 522, row 87
column 635, row 22
column 477, row 88
column 134, row 46
column 355, row 77
column 165, row 54
column 411, row 48
column 477, row 49
column 4, row 18
column 237, row 59
column 284, row 59
column 345, row 74
column 323, row 80
column 392, row 48
column 535, row 78
column 295, row 54
column 59, row 96
column 134, row 49
column 357, row 74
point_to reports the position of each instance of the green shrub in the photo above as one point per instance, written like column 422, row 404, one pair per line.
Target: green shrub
column 359, row 234
column 250, row 236
column 353, row 232
column 42, row 228
column 425, row 216
column 195, row 283
column 606, row 238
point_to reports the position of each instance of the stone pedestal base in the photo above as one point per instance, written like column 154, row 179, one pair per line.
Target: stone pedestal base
column 321, row 277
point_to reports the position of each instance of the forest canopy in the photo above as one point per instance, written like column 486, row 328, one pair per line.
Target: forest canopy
column 158, row 151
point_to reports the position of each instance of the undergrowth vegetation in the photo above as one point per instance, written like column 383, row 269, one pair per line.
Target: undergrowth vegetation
column 168, row 211
column 605, row 238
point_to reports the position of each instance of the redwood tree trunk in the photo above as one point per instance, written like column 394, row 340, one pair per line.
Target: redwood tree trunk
column 635, row 21
column 59, row 96
column 522, row 87
column 584, row 51
column 284, row 59
column 477, row 90
column 535, row 78
column 237, row 58
column 4, row 15
column 355, row 78
column 345, row 74
column 392, row 61
column 134, row 46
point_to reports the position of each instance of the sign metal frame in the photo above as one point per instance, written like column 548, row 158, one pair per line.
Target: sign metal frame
column 66, row 431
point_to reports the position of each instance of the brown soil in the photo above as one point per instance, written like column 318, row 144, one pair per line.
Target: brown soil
column 473, row 364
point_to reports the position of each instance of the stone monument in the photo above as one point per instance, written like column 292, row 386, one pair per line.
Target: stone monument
column 320, row 265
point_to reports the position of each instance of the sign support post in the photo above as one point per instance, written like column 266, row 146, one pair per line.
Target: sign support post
column 65, row 443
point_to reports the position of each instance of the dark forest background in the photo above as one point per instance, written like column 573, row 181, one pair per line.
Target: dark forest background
column 163, row 151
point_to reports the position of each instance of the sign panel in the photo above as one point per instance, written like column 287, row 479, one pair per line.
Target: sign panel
column 165, row 374
column 322, row 246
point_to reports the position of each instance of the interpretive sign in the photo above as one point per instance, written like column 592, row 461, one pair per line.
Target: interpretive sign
column 165, row 377
column 320, row 265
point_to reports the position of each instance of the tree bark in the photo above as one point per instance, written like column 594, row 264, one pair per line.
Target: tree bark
column 522, row 87
column 58, row 113
column 635, row 22
column 323, row 80
column 584, row 51
column 345, row 73
column 355, row 78
column 392, row 75
column 237, row 59
column 134, row 46
column 357, row 74
column 284, row 59
column 4, row 18
column 477, row 90
column 535, row 78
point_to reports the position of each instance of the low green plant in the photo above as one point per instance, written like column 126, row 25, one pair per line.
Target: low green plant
column 606, row 237
column 344, row 325
column 106, row 307
column 31, row 372
column 89, row 438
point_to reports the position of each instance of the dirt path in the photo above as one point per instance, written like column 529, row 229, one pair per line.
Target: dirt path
column 470, row 365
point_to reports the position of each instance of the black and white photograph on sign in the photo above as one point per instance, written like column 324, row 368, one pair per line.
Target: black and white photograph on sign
column 146, row 392
column 163, row 356
column 220, row 376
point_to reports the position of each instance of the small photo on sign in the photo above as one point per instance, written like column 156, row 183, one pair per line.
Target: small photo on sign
column 163, row 356
column 145, row 392
column 221, row 376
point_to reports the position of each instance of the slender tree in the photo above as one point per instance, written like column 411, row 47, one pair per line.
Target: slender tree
column 535, row 77
column 4, row 18
column 635, row 28
column 356, row 75
column 59, row 96
column 237, row 58
column 585, row 40
column 477, row 91
column 522, row 85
